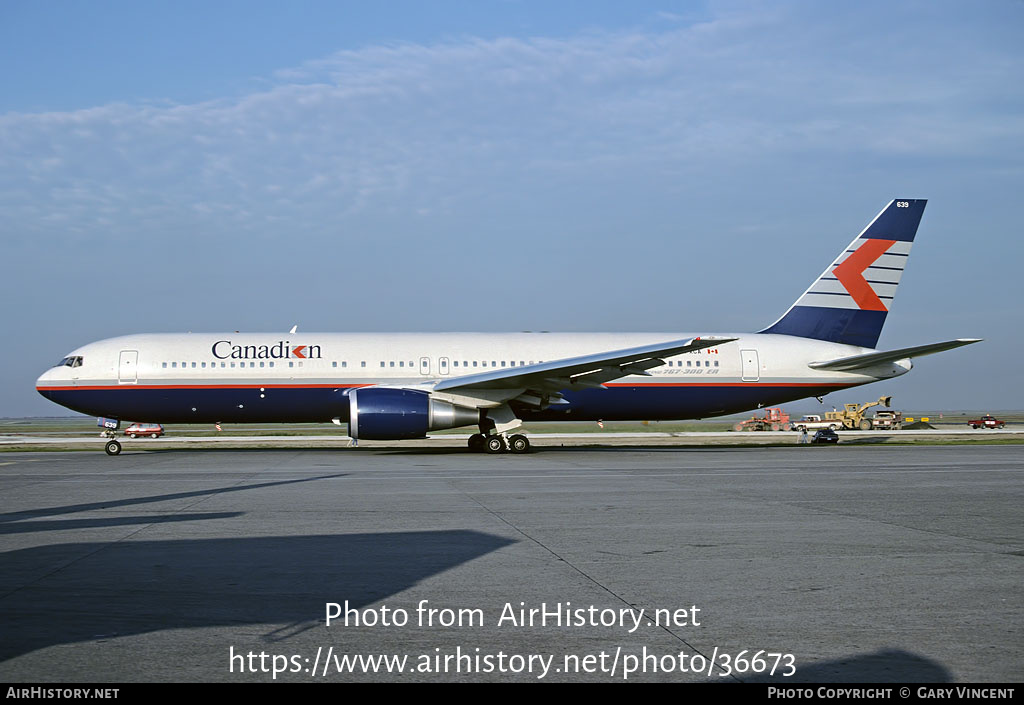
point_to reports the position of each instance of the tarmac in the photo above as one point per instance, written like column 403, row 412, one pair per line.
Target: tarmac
column 859, row 563
column 79, row 441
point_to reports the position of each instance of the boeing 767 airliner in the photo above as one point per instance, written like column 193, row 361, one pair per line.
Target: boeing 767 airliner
column 398, row 386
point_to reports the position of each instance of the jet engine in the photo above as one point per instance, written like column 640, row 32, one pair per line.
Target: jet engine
column 387, row 414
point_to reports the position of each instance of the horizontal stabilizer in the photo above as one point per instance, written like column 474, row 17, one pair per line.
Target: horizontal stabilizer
column 856, row 362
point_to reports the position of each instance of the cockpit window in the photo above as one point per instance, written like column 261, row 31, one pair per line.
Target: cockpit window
column 72, row 361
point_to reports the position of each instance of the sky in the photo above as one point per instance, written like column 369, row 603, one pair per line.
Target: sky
column 505, row 166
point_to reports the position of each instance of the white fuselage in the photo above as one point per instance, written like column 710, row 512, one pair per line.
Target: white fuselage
column 249, row 377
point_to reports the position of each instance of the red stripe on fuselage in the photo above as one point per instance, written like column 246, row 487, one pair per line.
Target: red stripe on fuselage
column 95, row 387
column 727, row 384
column 355, row 386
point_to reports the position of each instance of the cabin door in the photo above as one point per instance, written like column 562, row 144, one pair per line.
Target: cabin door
column 751, row 366
column 128, row 367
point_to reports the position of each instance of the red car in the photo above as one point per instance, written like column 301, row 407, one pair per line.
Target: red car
column 153, row 430
column 986, row 421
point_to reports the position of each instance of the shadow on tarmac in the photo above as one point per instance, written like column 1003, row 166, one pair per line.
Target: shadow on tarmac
column 577, row 449
column 884, row 666
column 29, row 527
column 93, row 591
column 20, row 516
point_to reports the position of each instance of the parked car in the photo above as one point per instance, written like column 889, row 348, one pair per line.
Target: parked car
column 153, row 430
column 809, row 422
column 825, row 435
column 986, row 421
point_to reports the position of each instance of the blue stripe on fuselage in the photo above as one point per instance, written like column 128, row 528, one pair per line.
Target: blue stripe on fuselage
column 321, row 404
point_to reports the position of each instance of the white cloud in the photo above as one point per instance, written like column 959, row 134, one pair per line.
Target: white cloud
column 416, row 127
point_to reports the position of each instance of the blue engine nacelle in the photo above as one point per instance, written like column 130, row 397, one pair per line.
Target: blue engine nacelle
column 384, row 414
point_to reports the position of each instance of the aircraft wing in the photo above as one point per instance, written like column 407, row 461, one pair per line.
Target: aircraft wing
column 856, row 362
column 579, row 372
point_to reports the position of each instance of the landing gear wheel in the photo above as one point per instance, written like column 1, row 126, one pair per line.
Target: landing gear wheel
column 113, row 448
column 477, row 443
column 519, row 444
column 496, row 444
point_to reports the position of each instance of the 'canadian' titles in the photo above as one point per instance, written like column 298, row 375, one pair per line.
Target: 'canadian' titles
column 281, row 350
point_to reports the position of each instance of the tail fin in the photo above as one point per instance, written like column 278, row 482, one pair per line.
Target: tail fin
column 849, row 301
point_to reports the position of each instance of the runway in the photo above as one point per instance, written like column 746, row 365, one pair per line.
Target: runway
column 839, row 564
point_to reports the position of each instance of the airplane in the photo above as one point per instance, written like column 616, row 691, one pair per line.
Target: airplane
column 404, row 385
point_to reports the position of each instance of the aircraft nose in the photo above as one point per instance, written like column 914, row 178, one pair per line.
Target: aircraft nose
column 45, row 381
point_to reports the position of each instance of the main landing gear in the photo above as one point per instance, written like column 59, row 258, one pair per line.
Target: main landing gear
column 499, row 443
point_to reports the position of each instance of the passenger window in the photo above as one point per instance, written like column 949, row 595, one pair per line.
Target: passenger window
column 363, row 363
column 165, row 365
column 271, row 363
column 392, row 363
column 334, row 364
column 174, row 364
column 402, row 363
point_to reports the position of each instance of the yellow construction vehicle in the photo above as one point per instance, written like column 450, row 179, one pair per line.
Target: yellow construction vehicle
column 852, row 416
